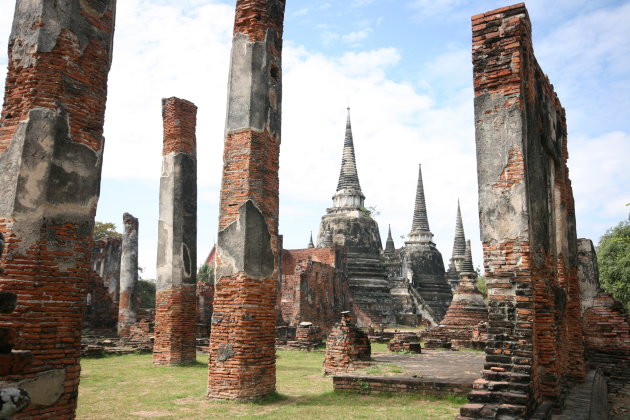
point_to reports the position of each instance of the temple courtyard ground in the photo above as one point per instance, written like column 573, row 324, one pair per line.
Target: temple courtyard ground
column 129, row 387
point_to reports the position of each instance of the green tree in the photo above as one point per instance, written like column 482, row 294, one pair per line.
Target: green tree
column 103, row 230
column 146, row 293
column 206, row 274
column 613, row 258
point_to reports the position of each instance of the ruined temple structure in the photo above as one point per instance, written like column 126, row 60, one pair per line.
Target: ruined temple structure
column 314, row 287
column 605, row 322
column 466, row 320
column 349, row 224
column 459, row 251
column 128, row 298
column 347, row 347
column 103, row 284
column 422, row 262
column 242, row 360
column 535, row 349
column 177, row 237
column 51, row 147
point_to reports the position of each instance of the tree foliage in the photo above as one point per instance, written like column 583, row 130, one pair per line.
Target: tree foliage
column 103, row 230
column 146, row 294
column 613, row 258
column 206, row 274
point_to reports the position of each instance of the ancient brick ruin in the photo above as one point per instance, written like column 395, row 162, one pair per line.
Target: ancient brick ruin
column 177, row 237
column 605, row 322
column 103, row 285
column 459, row 252
column 464, row 316
column 314, row 287
column 242, row 351
column 422, row 261
column 51, row 147
column 348, row 224
column 347, row 347
column 128, row 298
column 527, row 220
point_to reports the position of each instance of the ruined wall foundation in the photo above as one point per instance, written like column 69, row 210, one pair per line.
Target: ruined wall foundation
column 242, row 352
column 51, row 145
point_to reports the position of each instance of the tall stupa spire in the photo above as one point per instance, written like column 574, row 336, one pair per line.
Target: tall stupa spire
column 348, row 188
column 459, row 243
column 390, row 247
column 420, row 231
column 467, row 265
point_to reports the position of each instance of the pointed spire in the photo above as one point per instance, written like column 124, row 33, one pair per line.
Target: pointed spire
column 348, row 195
column 310, row 242
column 390, row 247
column 348, row 177
column 459, row 243
column 420, row 218
column 467, row 265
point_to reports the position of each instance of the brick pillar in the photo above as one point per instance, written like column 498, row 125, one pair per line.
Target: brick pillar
column 527, row 222
column 177, row 237
column 128, row 299
column 242, row 353
column 51, row 145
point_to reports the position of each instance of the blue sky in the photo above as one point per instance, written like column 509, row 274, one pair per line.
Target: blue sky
column 404, row 65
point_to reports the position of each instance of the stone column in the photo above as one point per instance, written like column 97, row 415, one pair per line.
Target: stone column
column 128, row 275
column 177, row 237
column 527, row 223
column 242, row 352
column 51, row 146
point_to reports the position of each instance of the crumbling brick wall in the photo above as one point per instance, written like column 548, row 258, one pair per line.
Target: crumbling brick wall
column 314, row 286
column 103, row 284
column 527, row 222
column 51, row 145
column 205, row 295
column 605, row 322
column 347, row 347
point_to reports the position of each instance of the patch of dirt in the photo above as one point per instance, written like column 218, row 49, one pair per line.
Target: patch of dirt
column 150, row 414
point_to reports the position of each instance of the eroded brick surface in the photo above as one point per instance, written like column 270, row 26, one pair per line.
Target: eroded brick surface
column 242, row 352
column 50, row 158
column 314, row 287
column 177, row 237
column 347, row 347
column 527, row 223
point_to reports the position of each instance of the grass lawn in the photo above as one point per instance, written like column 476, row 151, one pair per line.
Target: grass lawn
column 129, row 387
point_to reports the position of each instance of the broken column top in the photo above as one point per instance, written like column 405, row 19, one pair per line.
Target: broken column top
column 254, row 17
column 129, row 222
column 180, row 121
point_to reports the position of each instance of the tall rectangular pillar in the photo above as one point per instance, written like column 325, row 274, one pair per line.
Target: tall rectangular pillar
column 51, row 150
column 128, row 299
column 177, row 237
column 242, row 351
column 527, row 221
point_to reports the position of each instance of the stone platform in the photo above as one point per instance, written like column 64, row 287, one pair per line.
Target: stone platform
column 433, row 373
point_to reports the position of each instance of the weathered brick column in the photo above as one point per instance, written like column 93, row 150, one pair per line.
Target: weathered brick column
column 527, row 221
column 177, row 237
column 128, row 298
column 51, row 145
column 242, row 354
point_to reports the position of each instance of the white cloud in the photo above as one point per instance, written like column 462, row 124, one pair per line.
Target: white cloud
column 356, row 36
